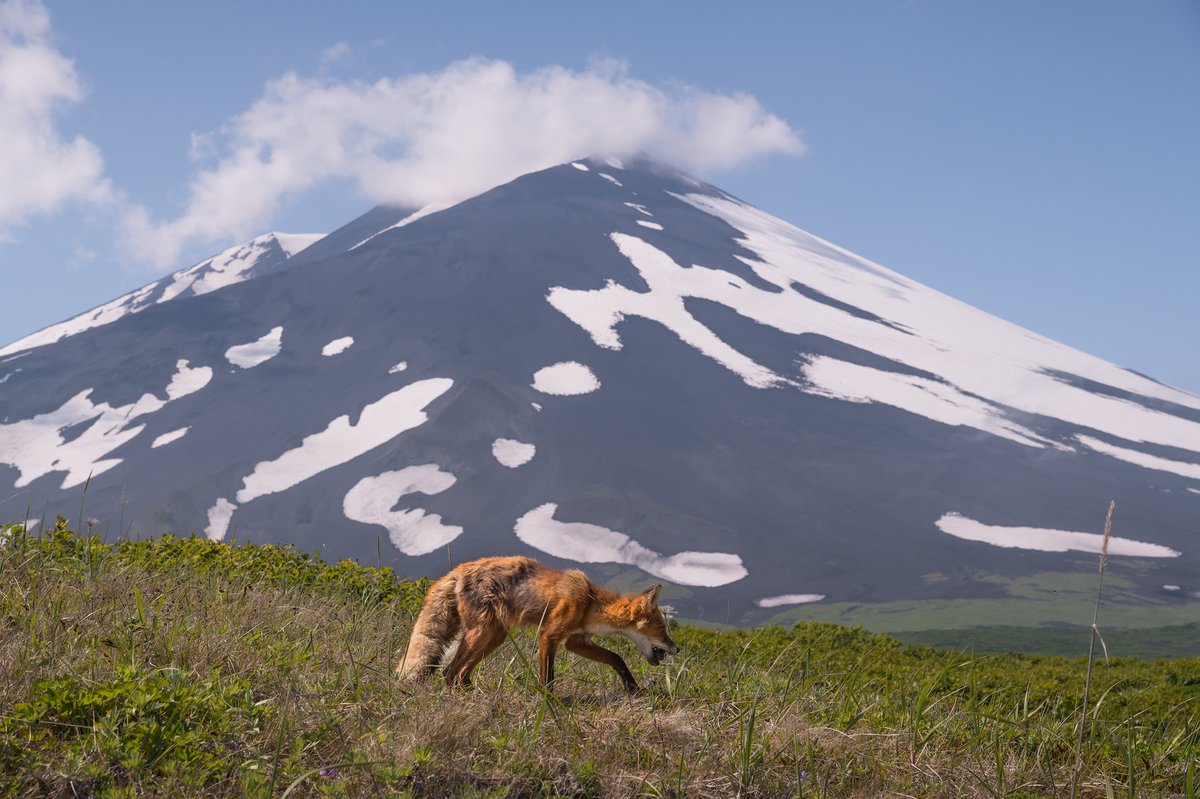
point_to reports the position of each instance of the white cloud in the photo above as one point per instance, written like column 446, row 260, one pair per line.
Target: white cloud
column 440, row 137
column 40, row 170
column 202, row 146
column 335, row 53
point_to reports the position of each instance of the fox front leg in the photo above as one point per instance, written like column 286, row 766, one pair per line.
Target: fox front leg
column 583, row 646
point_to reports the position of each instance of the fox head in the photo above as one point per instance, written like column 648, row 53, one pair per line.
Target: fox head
column 649, row 629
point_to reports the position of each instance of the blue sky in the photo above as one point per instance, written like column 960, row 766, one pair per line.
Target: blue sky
column 1037, row 160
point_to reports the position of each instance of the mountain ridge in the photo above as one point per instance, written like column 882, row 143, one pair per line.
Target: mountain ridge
column 258, row 256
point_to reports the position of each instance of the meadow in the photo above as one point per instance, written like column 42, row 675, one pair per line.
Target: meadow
column 184, row 667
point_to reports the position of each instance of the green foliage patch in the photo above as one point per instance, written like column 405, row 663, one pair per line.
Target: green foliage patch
column 285, row 567
column 154, row 725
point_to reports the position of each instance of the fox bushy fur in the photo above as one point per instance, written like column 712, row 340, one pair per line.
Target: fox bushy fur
column 483, row 599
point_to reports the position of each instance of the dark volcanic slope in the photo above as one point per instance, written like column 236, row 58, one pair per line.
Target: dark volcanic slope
column 734, row 407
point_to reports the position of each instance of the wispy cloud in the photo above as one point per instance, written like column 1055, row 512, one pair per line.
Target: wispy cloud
column 40, row 169
column 439, row 137
column 335, row 53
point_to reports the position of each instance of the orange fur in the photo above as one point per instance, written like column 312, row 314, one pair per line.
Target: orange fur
column 483, row 599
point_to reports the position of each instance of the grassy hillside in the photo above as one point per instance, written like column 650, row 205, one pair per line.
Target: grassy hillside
column 183, row 667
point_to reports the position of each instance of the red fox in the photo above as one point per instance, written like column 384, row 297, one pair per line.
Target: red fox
column 484, row 598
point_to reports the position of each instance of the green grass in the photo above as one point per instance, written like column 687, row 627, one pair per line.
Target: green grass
column 183, row 667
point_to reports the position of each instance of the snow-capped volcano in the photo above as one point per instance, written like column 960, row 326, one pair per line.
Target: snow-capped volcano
column 605, row 364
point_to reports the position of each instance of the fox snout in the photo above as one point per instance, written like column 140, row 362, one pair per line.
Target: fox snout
column 659, row 653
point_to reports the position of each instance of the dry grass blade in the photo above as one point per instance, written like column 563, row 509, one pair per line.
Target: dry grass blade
column 1087, row 682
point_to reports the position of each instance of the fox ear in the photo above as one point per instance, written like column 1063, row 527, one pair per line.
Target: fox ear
column 652, row 593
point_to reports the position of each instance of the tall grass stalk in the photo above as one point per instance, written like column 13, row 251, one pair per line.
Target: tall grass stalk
column 1087, row 682
column 747, row 753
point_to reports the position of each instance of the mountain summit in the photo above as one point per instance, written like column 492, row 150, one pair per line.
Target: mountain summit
column 622, row 366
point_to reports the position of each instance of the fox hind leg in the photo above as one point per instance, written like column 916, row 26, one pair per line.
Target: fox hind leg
column 478, row 642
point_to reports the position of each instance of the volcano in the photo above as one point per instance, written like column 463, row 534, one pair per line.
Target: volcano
column 616, row 365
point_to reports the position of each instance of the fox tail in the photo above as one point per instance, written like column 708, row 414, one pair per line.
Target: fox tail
column 437, row 626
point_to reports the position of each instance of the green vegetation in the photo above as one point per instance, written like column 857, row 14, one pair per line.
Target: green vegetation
column 1174, row 641
column 1045, row 598
column 183, row 667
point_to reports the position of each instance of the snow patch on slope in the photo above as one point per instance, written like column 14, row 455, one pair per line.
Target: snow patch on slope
column 591, row 543
column 340, row 441
column 829, row 377
column 233, row 265
column 412, row 531
column 985, row 371
column 219, row 516
column 788, row 599
column 565, row 379
column 185, row 381
column 337, row 346
column 105, row 314
column 167, row 438
column 255, row 352
column 432, row 208
column 599, row 311
column 1047, row 540
column 973, row 351
column 1143, row 459
column 512, row 453
column 651, row 225
column 293, row 243
column 38, row 446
